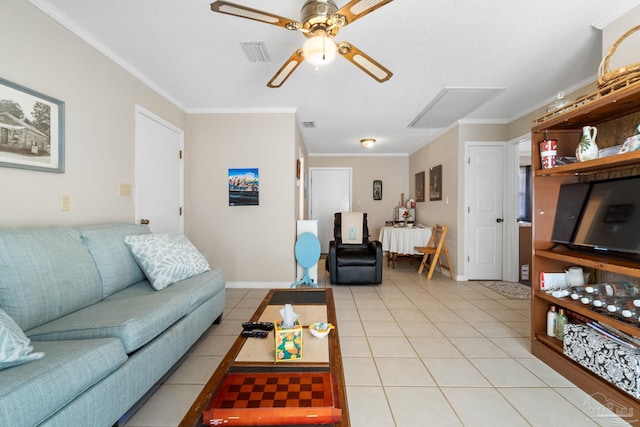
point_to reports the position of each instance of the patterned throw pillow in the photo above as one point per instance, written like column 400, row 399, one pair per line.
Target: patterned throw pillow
column 166, row 258
column 14, row 344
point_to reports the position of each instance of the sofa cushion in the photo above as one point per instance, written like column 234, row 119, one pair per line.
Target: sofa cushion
column 356, row 257
column 117, row 267
column 30, row 393
column 201, row 287
column 15, row 347
column 166, row 258
column 136, row 320
column 196, row 289
column 45, row 273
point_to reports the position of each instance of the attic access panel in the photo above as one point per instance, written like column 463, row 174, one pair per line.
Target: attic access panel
column 452, row 104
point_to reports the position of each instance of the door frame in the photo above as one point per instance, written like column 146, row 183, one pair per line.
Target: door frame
column 141, row 111
column 509, row 207
column 312, row 169
column 511, row 267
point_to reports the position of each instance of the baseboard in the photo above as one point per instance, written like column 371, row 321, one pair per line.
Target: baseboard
column 258, row 285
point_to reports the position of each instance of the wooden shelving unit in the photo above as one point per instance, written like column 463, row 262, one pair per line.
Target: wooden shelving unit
column 619, row 161
column 600, row 110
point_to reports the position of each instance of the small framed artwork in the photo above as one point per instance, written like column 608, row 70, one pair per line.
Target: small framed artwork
column 244, row 187
column 420, row 187
column 377, row 189
column 31, row 129
column 435, row 183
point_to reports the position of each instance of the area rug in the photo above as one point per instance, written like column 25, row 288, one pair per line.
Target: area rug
column 508, row 289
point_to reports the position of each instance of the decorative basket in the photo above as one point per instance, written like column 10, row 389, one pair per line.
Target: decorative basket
column 622, row 76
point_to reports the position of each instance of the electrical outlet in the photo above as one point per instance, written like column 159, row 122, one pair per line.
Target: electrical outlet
column 65, row 202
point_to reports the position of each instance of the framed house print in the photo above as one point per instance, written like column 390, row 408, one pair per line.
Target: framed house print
column 31, row 129
column 420, row 187
column 435, row 183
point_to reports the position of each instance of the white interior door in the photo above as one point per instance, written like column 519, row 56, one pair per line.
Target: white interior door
column 159, row 173
column 485, row 218
column 330, row 193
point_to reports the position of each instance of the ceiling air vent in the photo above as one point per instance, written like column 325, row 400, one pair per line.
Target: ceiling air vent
column 452, row 104
column 309, row 125
column 256, row 51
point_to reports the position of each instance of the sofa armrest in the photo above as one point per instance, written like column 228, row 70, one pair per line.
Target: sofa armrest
column 376, row 246
column 332, row 260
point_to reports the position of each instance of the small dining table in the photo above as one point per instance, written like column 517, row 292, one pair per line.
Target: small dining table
column 403, row 240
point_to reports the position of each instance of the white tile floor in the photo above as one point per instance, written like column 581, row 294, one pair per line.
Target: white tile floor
column 416, row 352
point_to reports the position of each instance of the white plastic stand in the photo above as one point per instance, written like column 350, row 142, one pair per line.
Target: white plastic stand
column 307, row 226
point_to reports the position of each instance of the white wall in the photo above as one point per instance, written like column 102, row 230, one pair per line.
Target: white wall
column 448, row 150
column 252, row 243
column 392, row 170
column 444, row 151
column 627, row 51
column 100, row 99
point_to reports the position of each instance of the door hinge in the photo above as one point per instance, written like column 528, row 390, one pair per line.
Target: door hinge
column 468, row 209
column 468, row 160
column 180, row 211
column 468, row 259
column 180, row 154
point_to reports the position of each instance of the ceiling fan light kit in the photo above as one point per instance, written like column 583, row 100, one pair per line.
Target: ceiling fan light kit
column 320, row 22
column 367, row 142
column 319, row 50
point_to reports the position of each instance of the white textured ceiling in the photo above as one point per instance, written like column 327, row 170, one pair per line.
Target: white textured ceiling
column 533, row 49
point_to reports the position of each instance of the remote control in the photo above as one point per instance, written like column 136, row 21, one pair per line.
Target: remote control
column 255, row 334
column 264, row 326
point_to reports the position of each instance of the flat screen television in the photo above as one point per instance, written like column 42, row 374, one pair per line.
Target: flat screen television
column 610, row 219
column 571, row 200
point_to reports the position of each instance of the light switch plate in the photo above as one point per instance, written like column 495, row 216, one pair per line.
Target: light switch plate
column 125, row 189
column 65, row 202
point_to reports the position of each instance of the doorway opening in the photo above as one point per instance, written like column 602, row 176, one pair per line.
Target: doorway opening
column 330, row 193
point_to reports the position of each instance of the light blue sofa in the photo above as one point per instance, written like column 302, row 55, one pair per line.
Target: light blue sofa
column 107, row 335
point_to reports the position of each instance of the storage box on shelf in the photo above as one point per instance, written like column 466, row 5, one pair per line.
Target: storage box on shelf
column 621, row 366
column 603, row 111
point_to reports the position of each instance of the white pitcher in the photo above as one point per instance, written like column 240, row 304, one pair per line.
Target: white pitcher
column 575, row 276
column 587, row 149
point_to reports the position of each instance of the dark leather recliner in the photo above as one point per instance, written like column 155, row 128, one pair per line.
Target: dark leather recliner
column 355, row 263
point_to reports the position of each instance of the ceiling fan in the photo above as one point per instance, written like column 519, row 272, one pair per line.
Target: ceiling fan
column 320, row 22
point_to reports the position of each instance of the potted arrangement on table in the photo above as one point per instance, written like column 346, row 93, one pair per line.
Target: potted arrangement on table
column 406, row 215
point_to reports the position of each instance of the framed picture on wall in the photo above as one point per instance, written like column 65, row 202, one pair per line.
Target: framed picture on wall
column 244, row 187
column 31, row 129
column 435, row 183
column 377, row 189
column 420, row 187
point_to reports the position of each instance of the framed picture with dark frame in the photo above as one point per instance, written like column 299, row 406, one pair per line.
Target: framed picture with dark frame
column 420, row 187
column 31, row 129
column 377, row 189
column 435, row 183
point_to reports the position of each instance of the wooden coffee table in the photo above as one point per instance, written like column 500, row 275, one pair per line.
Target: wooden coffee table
column 258, row 355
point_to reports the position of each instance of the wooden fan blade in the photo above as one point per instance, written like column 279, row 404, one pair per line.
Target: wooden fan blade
column 356, row 9
column 287, row 69
column 364, row 62
column 254, row 14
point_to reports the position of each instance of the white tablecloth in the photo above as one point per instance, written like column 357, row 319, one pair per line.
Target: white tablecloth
column 403, row 240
